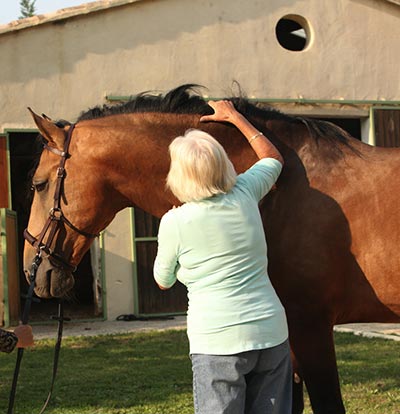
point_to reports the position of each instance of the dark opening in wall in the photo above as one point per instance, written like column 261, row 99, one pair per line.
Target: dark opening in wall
column 350, row 125
column 292, row 33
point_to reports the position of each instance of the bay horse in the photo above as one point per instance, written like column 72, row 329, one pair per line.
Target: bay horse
column 332, row 223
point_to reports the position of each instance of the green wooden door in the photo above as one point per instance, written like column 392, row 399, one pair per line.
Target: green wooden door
column 9, row 268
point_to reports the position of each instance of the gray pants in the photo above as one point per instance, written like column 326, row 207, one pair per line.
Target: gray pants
column 253, row 382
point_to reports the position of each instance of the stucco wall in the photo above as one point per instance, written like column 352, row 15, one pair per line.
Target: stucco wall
column 64, row 67
column 118, row 266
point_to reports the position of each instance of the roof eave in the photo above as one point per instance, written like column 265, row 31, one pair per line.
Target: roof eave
column 63, row 14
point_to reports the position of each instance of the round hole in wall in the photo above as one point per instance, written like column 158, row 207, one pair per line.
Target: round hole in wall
column 293, row 32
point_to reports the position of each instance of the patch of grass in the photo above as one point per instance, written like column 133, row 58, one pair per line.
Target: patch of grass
column 369, row 371
column 135, row 373
column 150, row 373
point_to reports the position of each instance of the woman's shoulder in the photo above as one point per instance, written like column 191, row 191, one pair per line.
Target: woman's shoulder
column 177, row 212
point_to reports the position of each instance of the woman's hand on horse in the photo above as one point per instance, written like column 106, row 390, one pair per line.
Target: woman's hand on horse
column 224, row 111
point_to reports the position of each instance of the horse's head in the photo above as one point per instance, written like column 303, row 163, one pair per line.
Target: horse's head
column 62, row 221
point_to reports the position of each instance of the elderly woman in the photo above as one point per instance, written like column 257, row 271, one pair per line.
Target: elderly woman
column 215, row 245
column 21, row 338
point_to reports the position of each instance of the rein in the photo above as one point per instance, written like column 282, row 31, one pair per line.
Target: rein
column 52, row 225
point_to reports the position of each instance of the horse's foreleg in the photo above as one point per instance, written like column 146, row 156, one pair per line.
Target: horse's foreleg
column 314, row 351
column 298, row 396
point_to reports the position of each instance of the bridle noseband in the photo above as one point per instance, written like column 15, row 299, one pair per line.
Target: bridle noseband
column 56, row 215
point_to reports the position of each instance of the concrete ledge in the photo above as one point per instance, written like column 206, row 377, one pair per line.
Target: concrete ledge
column 96, row 328
column 372, row 330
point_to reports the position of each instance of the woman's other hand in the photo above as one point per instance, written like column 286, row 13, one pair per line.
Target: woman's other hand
column 25, row 336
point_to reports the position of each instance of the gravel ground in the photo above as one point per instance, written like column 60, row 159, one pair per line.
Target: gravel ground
column 94, row 328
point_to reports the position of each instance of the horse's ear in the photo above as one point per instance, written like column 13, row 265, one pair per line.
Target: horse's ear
column 49, row 130
column 46, row 117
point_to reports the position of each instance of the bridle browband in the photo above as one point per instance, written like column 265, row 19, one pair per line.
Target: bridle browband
column 52, row 225
column 56, row 215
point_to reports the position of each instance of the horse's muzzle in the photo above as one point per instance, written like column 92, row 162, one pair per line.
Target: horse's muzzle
column 51, row 281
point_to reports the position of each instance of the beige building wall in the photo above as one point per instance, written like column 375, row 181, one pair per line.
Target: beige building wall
column 118, row 266
column 67, row 65
column 63, row 63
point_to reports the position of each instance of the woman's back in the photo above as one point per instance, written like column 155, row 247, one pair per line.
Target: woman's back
column 223, row 262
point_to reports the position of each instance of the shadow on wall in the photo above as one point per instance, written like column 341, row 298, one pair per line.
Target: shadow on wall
column 138, row 27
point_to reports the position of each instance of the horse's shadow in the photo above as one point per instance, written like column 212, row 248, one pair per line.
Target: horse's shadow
column 309, row 246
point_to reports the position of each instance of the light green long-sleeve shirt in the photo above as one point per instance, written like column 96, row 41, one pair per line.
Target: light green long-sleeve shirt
column 216, row 247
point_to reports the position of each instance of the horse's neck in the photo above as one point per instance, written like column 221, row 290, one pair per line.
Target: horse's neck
column 137, row 164
column 146, row 160
column 136, row 155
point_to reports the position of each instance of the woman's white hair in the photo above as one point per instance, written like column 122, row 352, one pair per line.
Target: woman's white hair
column 200, row 167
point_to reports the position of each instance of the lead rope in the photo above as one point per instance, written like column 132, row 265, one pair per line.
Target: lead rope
column 25, row 319
column 60, row 318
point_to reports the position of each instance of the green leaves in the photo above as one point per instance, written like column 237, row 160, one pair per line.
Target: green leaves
column 27, row 8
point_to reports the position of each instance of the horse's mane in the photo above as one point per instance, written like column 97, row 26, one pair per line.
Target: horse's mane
column 185, row 99
column 181, row 100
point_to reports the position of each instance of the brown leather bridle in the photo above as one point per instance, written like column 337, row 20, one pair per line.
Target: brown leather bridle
column 52, row 225
column 56, row 215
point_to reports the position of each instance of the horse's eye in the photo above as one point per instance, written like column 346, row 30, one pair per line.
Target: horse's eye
column 40, row 186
